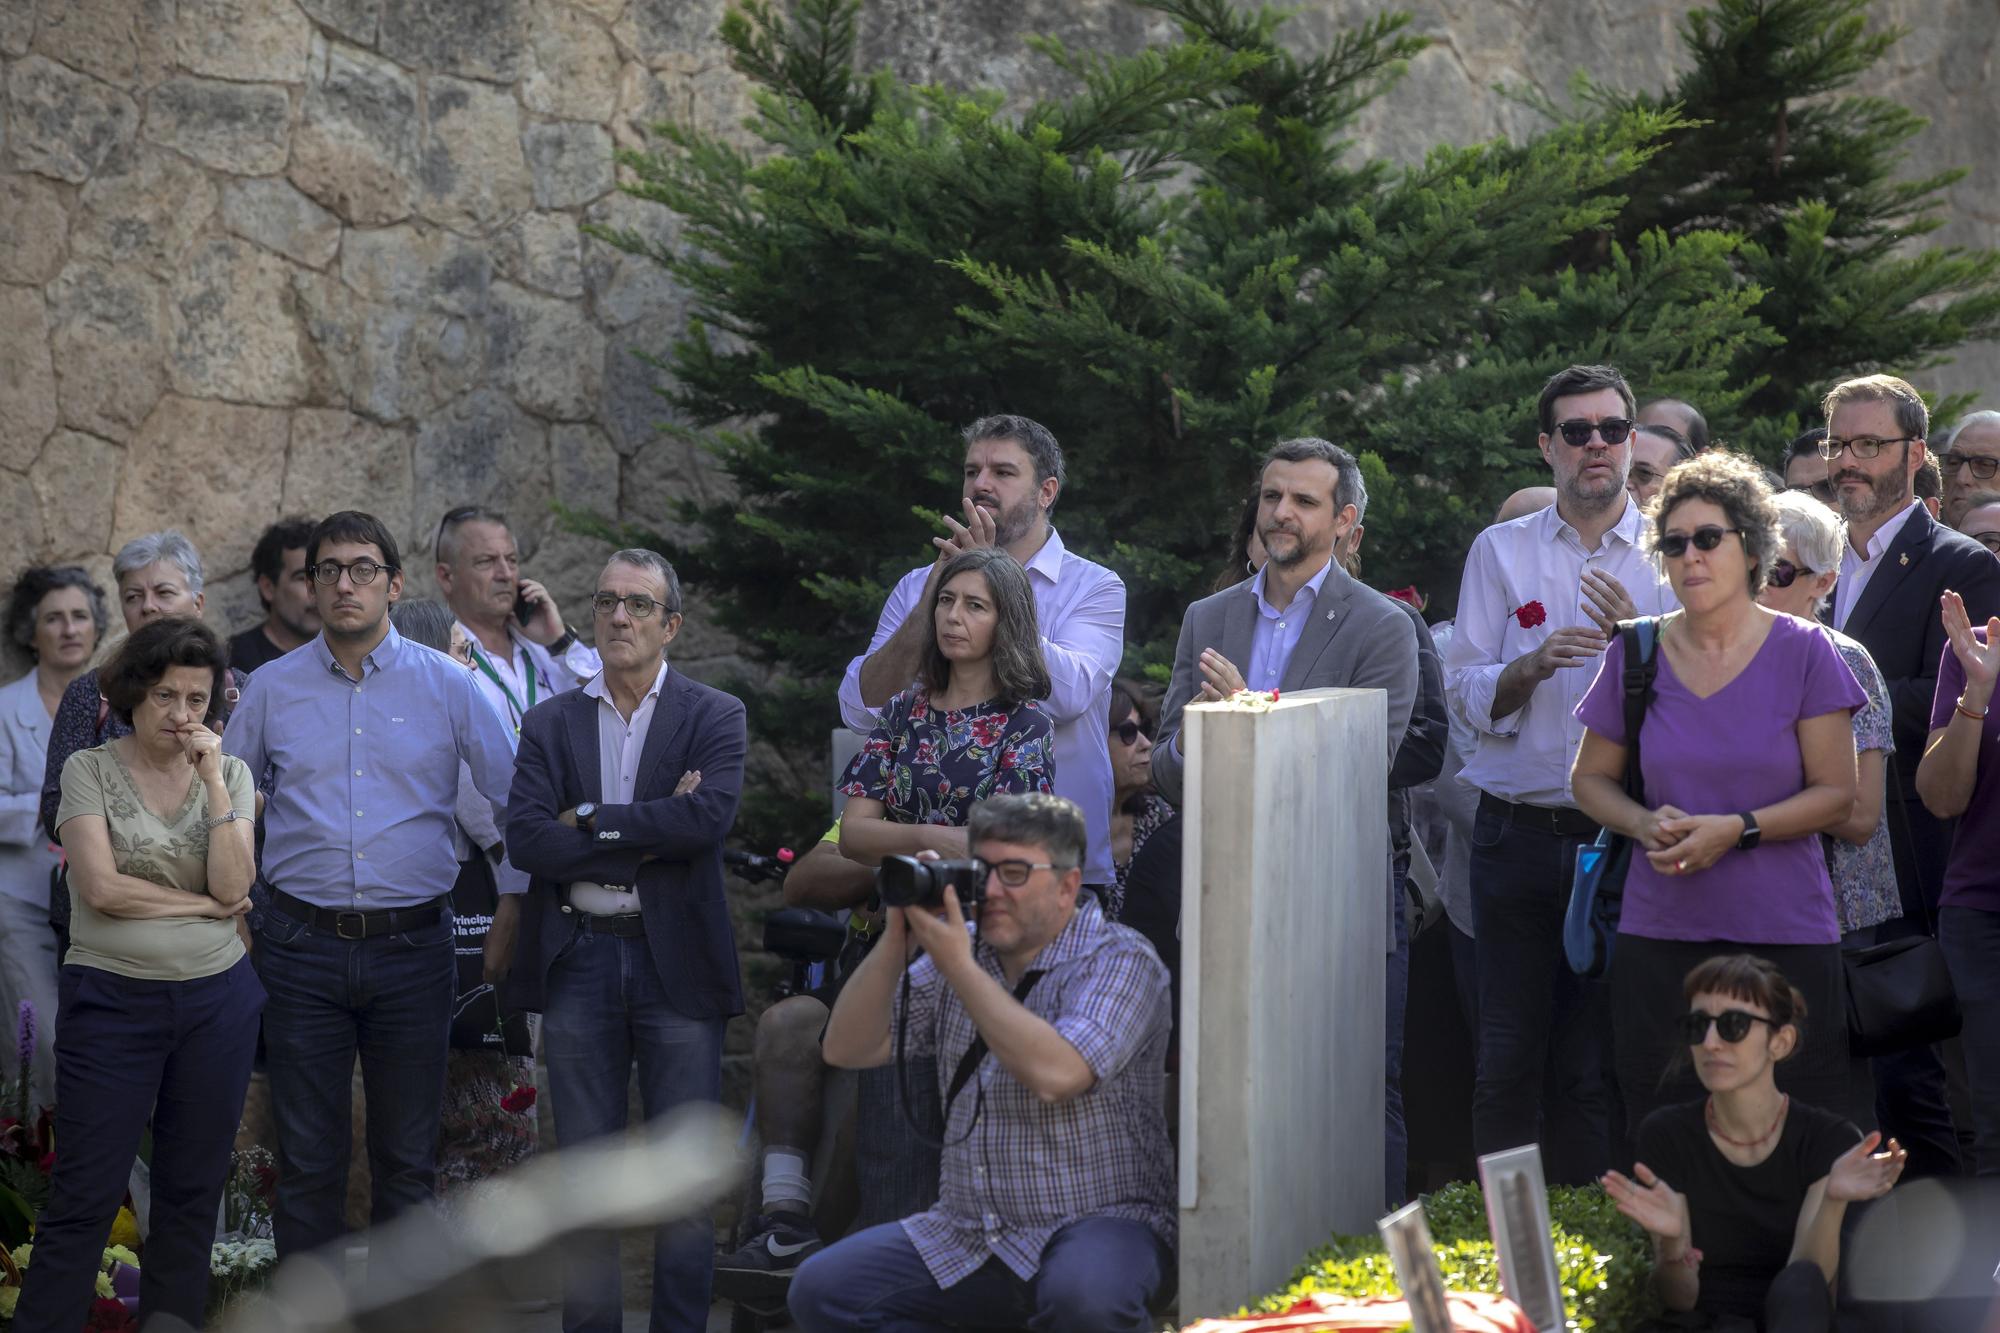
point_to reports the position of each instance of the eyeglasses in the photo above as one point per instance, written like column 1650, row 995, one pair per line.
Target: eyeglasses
column 1675, row 544
column 1821, row 491
column 1733, row 1024
column 637, row 605
column 1642, row 476
column 1982, row 468
column 1990, row 540
column 1862, row 446
column 1612, row 429
column 1128, row 732
column 363, row 572
column 1784, row 573
column 1015, row 873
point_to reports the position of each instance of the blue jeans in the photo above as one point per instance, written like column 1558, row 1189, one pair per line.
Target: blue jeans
column 387, row 999
column 1097, row 1276
column 1544, row 1033
column 1971, row 942
column 606, row 1011
column 179, row 1052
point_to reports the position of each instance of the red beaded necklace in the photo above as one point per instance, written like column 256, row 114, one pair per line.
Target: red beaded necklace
column 1784, row 1105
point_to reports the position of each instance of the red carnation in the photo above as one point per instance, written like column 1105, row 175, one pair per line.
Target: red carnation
column 108, row 1314
column 1410, row 595
column 1530, row 615
column 519, row 1100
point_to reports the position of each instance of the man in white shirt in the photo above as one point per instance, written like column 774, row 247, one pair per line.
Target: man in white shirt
column 1013, row 476
column 1540, row 598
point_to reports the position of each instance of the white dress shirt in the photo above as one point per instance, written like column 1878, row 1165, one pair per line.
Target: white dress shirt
column 508, row 689
column 619, row 746
column 25, row 855
column 1525, row 756
column 1856, row 569
column 1080, row 606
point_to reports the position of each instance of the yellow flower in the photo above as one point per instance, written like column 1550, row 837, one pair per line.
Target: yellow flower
column 22, row 1253
column 125, row 1229
column 8, row 1297
column 105, row 1290
column 120, row 1253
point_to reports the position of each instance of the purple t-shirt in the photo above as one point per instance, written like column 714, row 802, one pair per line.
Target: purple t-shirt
column 1736, row 750
column 1972, row 876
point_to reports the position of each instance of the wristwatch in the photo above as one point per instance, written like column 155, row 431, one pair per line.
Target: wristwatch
column 568, row 639
column 220, row 820
column 586, row 817
column 1751, row 833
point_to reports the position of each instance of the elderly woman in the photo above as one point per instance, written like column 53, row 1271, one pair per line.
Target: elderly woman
column 57, row 615
column 1137, row 811
column 1858, row 852
column 159, row 1001
column 1747, row 756
column 1960, row 777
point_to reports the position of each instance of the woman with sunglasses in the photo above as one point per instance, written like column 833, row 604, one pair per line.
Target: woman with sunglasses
column 1137, row 811
column 1743, row 1190
column 1858, row 853
column 1746, row 754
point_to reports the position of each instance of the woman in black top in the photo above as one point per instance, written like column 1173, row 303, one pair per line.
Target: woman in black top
column 1744, row 1190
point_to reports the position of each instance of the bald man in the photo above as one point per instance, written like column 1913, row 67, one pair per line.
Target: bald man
column 1679, row 415
column 1528, row 500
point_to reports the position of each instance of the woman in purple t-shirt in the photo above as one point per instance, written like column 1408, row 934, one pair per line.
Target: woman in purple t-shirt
column 1747, row 754
column 1960, row 776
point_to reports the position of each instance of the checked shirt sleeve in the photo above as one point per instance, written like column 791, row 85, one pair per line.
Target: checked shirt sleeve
column 1112, row 1007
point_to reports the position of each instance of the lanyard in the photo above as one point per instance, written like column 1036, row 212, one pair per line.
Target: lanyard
column 513, row 704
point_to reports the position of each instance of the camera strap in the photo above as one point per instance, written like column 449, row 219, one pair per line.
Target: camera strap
column 968, row 1063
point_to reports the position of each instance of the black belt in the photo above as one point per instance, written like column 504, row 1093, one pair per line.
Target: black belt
column 625, row 925
column 351, row 925
column 1561, row 820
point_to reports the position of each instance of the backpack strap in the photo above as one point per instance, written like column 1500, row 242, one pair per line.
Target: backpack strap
column 1640, row 639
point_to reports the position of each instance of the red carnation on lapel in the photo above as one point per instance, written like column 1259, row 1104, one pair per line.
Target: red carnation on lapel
column 1530, row 615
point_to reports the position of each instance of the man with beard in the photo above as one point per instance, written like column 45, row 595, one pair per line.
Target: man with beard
column 1540, row 599
column 1899, row 561
column 1013, row 476
column 279, row 563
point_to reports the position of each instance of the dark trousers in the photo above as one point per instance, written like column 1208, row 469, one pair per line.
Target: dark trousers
column 387, row 999
column 179, row 1052
column 897, row 1167
column 1911, row 1099
column 1097, row 1275
column 1395, row 1131
column 1542, row 1074
column 1971, row 942
column 606, row 1014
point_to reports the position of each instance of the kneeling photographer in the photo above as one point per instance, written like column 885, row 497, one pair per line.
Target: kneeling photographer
column 1049, row 1030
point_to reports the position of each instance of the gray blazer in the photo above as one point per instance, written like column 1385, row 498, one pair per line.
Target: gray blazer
column 1356, row 639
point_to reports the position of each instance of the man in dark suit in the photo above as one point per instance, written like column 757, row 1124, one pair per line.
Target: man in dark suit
column 623, row 792
column 1897, row 564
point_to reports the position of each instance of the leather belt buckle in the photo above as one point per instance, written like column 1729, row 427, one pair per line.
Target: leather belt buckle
column 360, row 919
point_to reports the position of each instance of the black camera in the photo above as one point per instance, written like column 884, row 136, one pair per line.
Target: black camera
column 904, row 881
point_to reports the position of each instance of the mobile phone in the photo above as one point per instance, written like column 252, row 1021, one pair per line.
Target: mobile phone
column 524, row 610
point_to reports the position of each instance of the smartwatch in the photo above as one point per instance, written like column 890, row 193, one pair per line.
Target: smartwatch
column 1751, row 833
column 586, row 817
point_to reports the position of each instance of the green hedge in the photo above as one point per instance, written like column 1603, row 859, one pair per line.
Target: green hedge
column 1605, row 1260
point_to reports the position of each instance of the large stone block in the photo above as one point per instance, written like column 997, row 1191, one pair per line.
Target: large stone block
column 242, row 128
column 633, row 403
column 418, row 265
column 99, row 37
column 64, row 124
column 75, row 483
column 487, row 40
column 206, row 468
column 586, row 470
column 249, row 40
column 275, row 215
column 659, row 30
column 571, row 163
column 356, row 20
column 108, row 333
column 33, row 223
column 572, row 65
column 341, row 461
column 546, row 351
column 482, row 449
column 357, row 149
column 1284, row 938
column 17, row 29
column 629, row 289
column 541, row 251
column 22, row 537
column 235, row 332
column 27, row 377
column 474, row 176
column 411, row 362
column 144, row 207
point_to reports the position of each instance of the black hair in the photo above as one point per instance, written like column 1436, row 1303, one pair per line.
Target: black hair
column 267, row 557
column 1571, row 381
column 37, row 582
column 352, row 525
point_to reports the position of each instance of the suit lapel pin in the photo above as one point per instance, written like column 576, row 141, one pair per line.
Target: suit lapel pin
column 1906, row 558
column 1330, row 615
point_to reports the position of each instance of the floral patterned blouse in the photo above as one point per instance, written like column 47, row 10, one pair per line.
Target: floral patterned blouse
column 1864, row 877
column 932, row 765
column 1155, row 813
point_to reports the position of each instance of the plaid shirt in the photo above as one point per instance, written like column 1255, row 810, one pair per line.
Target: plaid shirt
column 1019, row 1169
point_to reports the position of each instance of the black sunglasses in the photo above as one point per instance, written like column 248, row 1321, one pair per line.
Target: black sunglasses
column 1784, row 573
column 1675, row 544
column 1733, row 1024
column 1577, row 433
column 1821, row 491
column 1128, row 732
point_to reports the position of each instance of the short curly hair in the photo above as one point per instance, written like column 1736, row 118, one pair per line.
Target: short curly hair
column 37, row 582
column 147, row 653
column 1736, row 485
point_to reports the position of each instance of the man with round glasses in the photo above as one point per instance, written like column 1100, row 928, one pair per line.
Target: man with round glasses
column 1897, row 564
column 1540, row 599
column 1971, row 464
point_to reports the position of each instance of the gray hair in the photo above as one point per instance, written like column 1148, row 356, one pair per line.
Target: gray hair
column 1348, row 487
column 641, row 558
column 453, row 520
column 154, row 547
column 1032, row 819
column 424, row 620
column 1985, row 416
column 1814, row 532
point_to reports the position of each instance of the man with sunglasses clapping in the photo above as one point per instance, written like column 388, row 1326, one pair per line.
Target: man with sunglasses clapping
column 1540, row 599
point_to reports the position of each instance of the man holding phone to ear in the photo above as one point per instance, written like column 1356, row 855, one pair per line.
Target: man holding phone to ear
column 522, row 650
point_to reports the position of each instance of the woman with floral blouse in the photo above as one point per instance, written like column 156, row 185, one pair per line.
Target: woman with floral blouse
column 967, row 728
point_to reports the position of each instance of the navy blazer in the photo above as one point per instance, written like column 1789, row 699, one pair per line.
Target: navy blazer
column 1899, row 622
column 681, row 890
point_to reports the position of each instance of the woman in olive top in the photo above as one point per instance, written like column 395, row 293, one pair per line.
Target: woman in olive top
column 159, row 1003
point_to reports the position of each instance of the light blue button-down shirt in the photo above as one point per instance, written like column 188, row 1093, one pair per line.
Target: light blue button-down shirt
column 1277, row 631
column 362, row 776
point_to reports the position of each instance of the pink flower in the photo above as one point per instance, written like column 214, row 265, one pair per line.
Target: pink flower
column 1410, row 595
column 1530, row 615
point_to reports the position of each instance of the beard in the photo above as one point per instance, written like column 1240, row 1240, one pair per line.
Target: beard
column 1594, row 496
column 1882, row 495
column 1290, row 547
column 1010, row 525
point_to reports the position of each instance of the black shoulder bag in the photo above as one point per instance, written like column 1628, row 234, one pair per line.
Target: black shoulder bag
column 1597, row 891
column 1899, row 992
